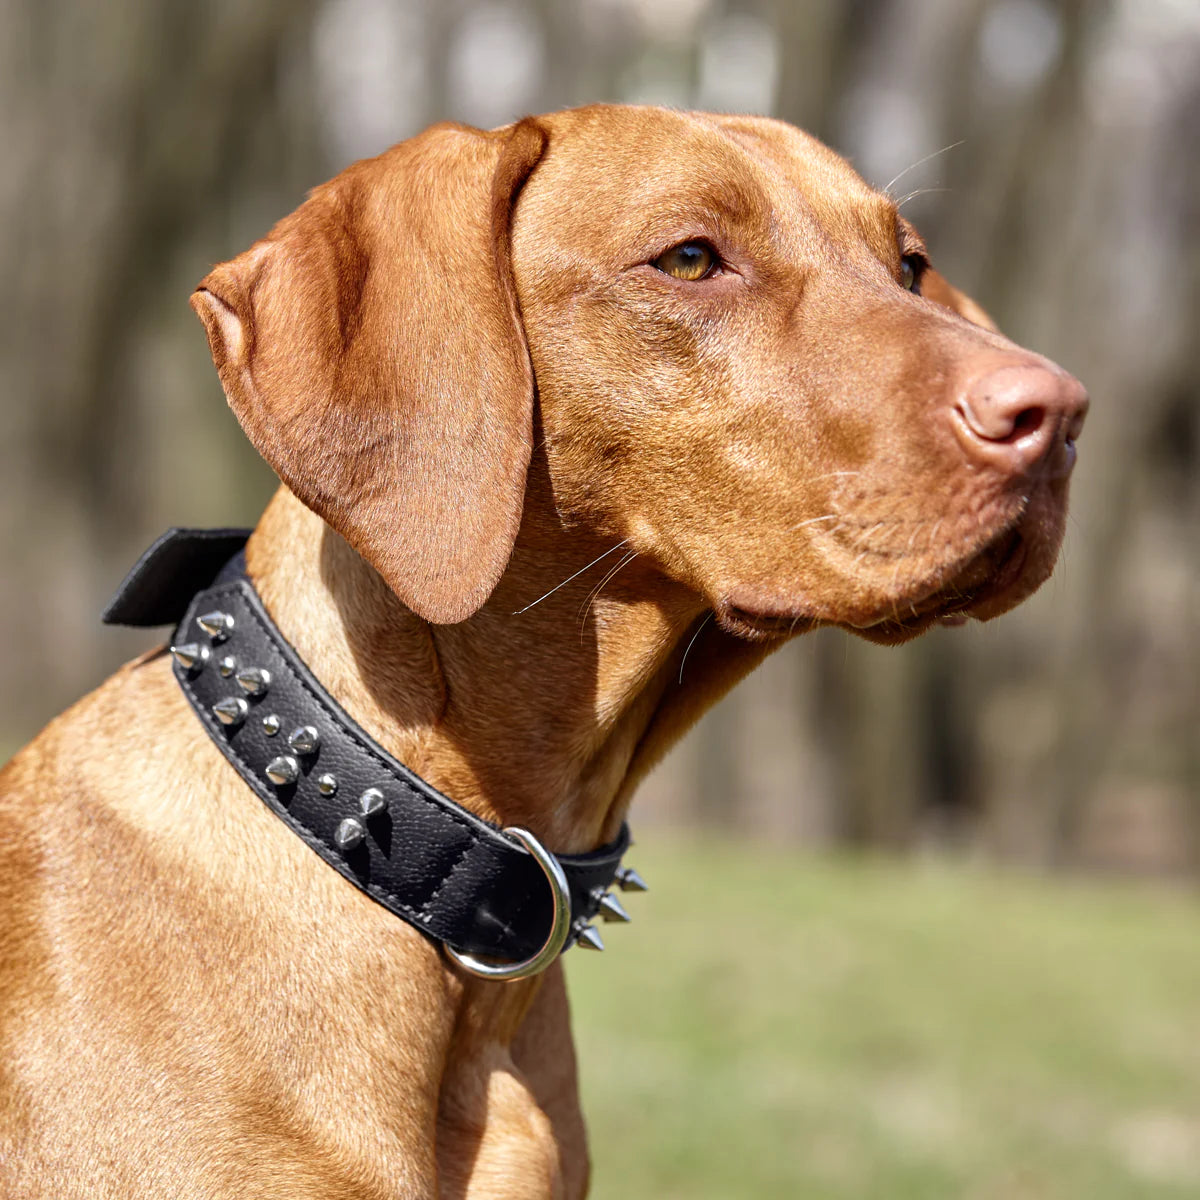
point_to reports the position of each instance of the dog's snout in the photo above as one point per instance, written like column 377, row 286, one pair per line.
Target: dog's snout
column 1012, row 417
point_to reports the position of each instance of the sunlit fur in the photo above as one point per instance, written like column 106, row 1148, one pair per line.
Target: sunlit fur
column 545, row 504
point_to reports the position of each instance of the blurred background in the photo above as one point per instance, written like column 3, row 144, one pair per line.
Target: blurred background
column 1053, row 155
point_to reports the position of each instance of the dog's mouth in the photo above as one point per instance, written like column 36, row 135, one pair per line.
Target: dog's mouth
column 991, row 573
column 985, row 578
column 744, row 623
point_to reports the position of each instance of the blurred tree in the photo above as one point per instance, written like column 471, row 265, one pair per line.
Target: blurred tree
column 133, row 128
column 1048, row 150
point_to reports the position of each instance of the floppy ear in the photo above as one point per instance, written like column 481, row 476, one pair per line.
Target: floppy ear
column 372, row 348
column 935, row 287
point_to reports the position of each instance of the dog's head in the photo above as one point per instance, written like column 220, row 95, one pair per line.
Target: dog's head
column 742, row 360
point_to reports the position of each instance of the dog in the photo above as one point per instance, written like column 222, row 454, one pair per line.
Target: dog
column 553, row 406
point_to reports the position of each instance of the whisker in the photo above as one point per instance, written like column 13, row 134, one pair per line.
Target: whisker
column 625, row 560
column 920, row 192
column 829, row 475
column 699, row 629
column 912, row 537
column 814, row 520
column 937, row 528
column 921, row 161
column 570, row 577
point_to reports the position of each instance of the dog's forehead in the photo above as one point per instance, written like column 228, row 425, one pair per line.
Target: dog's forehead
column 613, row 168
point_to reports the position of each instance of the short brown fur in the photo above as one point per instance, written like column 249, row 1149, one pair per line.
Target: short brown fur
column 462, row 362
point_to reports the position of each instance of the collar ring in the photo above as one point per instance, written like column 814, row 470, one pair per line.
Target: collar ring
column 560, row 923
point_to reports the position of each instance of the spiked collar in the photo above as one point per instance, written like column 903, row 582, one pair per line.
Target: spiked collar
column 500, row 904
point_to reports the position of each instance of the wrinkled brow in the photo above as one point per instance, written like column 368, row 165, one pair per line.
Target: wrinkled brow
column 703, row 203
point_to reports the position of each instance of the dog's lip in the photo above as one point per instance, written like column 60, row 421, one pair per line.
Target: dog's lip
column 952, row 604
column 988, row 573
column 1007, row 570
column 745, row 621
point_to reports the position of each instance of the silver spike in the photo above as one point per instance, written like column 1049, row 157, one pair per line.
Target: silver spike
column 372, row 802
column 254, row 681
column 305, row 740
column 231, row 711
column 283, row 770
column 628, row 880
column 327, row 784
column 589, row 939
column 190, row 656
column 271, row 725
column 611, row 909
column 218, row 625
column 227, row 666
column 349, row 833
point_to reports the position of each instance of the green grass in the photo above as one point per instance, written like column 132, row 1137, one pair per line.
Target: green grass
column 776, row 1025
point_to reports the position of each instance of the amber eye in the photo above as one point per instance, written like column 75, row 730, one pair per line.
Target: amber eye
column 688, row 260
column 910, row 273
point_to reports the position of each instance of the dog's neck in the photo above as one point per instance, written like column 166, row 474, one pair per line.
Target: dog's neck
column 527, row 717
column 544, row 717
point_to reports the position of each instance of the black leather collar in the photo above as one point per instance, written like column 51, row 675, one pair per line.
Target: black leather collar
column 454, row 877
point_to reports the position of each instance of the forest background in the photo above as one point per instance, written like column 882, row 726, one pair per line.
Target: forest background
column 1051, row 149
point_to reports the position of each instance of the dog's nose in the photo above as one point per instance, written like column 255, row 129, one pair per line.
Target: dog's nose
column 1012, row 417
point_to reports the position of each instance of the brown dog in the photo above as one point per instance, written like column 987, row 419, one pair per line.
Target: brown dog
column 479, row 362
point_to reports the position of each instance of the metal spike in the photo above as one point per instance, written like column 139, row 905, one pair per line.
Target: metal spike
column 327, row 784
column 611, row 909
column 190, row 656
column 218, row 625
column 349, row 833
column 588, row 938
column 283, row 770
column 271, row 724
column 628, row 880
column 305, row 740
column 254, row 681
column 231, row 711
column 372, row 802
column 227, row 666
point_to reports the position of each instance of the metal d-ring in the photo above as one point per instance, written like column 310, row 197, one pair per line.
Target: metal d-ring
column 560, row 923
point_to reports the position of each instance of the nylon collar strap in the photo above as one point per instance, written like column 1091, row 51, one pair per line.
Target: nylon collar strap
column 431, row 862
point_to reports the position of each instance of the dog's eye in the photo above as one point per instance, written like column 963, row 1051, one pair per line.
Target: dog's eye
column 688, row 260
column 910, row 273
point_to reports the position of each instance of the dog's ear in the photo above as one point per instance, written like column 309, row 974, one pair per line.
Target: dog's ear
column 372, row 348
column 935, row 287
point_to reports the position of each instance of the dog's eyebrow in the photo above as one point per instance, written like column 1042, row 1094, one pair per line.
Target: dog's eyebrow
column 881, row 224
column 714, row 208
column 714, row 200
column 908, row 238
